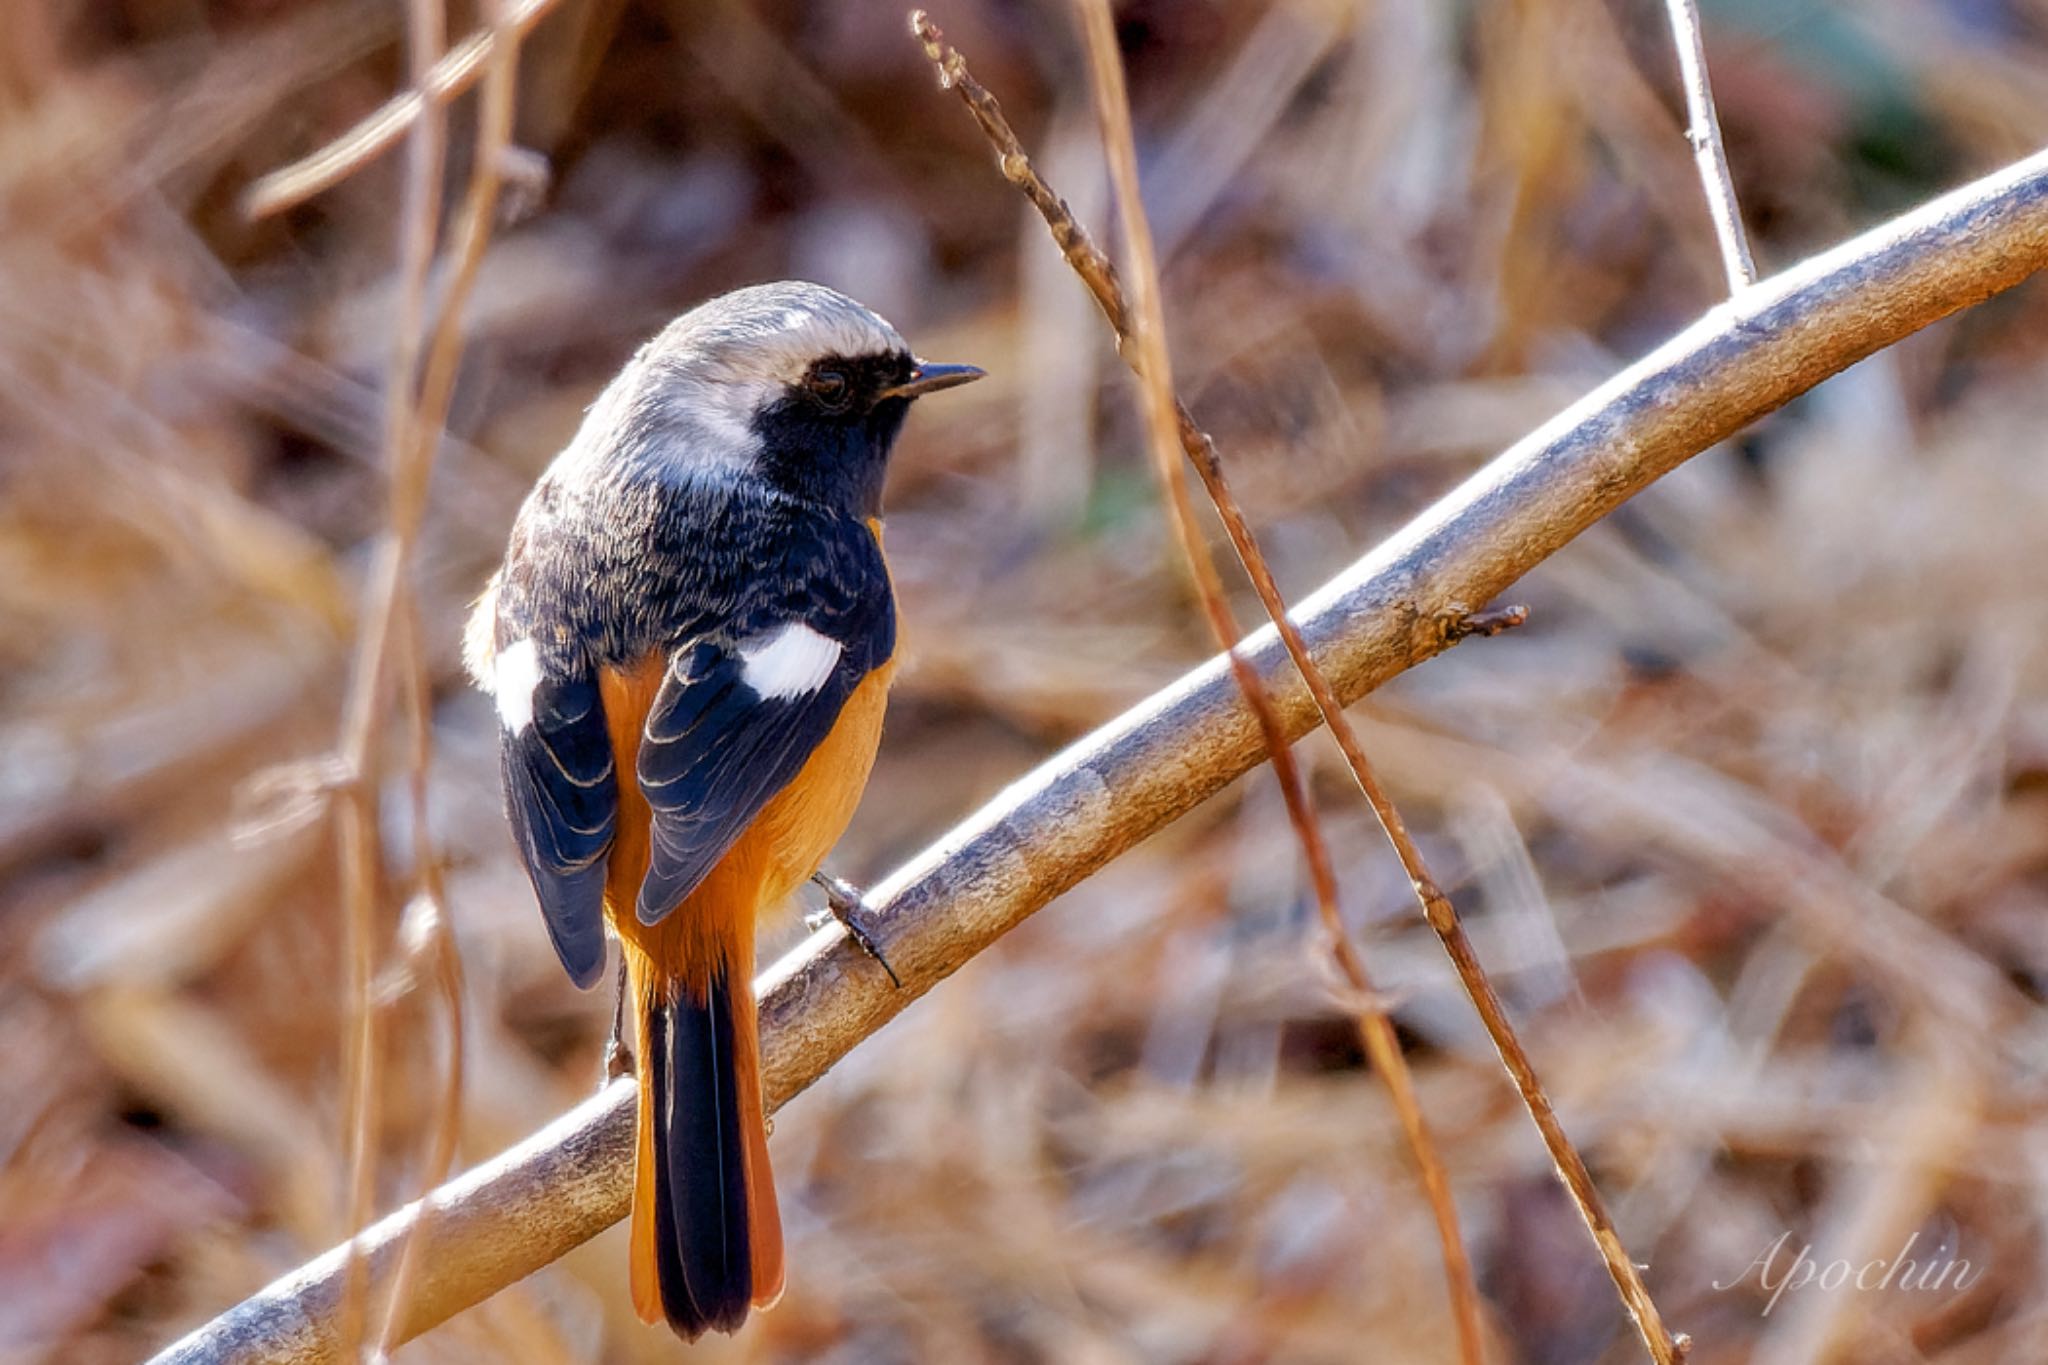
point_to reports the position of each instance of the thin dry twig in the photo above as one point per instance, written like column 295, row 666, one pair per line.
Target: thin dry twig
column 431, row 945
column 430, row 954
column 289, row 186
column 1099, row 275
column 362, row 856
column 1703, row 131
column 1145, row 346
column 1054, row 827
column 416, row 410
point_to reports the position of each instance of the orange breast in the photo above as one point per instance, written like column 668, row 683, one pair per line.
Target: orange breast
column 800, row 825
column 777, row 852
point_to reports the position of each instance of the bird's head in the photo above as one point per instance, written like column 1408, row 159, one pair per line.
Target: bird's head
column 792, row 382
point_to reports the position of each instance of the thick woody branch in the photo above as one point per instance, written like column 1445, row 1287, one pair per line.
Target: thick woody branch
column 1395, row 607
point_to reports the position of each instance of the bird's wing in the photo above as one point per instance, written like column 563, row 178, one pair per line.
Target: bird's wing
column 562, row 796
column 742, row 708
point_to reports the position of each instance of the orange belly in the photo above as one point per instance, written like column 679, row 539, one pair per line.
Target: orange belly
column 784, row 845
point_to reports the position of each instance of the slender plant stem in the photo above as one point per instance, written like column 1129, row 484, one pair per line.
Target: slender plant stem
column 1166, row 421
column 1100, row 277
column 361, row 845
column 289, row 186
column 1703, row 131
column 432, row 952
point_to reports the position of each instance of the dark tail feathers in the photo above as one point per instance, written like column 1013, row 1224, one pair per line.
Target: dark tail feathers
column 717, row 1234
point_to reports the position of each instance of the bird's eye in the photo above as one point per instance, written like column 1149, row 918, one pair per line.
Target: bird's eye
column 832, row 389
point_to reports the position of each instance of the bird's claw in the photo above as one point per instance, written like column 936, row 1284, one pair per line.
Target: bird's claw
column 618, row 1058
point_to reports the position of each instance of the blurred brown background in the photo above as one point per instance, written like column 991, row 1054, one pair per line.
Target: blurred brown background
column 1782, row 714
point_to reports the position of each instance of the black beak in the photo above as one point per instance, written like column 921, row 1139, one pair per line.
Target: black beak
column 930, row 378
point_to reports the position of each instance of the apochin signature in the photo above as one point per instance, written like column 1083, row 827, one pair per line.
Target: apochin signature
column 1777, row 1275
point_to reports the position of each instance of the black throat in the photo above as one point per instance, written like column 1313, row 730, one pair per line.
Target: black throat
column 838, row 462
column 831, row 445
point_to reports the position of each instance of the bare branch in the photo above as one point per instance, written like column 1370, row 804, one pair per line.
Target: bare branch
column 1703, row 131
column 1390, row 610
column 433, row 952
column 431, row 956
column 1170, row 428
column 1145, row 354
column 381, row 643
column 289, row 186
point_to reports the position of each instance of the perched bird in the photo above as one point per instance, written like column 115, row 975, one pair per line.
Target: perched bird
column 690, row 643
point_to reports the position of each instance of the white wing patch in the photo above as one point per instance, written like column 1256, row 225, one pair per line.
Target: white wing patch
column 514, row 678
column 793, row 661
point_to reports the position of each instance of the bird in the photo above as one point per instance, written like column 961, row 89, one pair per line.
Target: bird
column 689, row 644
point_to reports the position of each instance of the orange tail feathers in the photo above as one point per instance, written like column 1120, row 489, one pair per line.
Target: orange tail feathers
column 707, row 1236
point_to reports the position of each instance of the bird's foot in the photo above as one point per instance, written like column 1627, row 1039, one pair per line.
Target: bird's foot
column 843, row 902
column 618, row 1058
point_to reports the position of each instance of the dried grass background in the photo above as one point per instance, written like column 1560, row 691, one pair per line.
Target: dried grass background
column 1790, row 699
